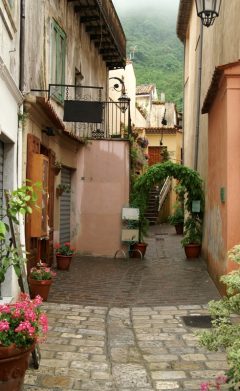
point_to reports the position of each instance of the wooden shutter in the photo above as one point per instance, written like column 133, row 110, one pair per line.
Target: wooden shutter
column 33, row 146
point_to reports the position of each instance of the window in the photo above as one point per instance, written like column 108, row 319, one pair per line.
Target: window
column 58, row 45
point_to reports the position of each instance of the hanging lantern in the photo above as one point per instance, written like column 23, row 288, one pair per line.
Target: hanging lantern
column 124, row 102
column 208, row 10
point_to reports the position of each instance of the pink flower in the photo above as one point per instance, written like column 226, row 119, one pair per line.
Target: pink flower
column 57, row 245
column 37, row 301
column 221, row 379
column 25, row 326
column 30, row 315
column 4, row 309
column 16, row 313
column 4, row 325
column 205, row 387
column 44, row 322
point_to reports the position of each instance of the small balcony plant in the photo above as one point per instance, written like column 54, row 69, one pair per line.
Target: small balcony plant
column 57, row 167
column 62, row 188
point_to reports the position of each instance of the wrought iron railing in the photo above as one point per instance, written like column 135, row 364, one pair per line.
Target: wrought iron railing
column 105, row 119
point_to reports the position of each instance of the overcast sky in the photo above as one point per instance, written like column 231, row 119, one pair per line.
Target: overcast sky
column 123, row 6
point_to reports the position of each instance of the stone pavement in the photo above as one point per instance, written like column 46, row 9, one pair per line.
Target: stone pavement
column 123, row 330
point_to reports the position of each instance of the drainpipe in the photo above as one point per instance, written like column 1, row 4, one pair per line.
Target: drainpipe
column 21, row 112
column 199, row 85
column 183, row 108
column 22, row 46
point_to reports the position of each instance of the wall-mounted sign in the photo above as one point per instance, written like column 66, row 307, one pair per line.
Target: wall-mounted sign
column 130, row 214
column 82, row 111
column 196, row 206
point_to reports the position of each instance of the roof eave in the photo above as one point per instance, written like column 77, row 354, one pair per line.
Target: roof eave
column 184, row 12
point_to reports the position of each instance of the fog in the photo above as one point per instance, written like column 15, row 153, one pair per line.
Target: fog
column 126, row 6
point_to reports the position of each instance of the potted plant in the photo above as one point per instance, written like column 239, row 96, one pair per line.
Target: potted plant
column 64, row 254
column 57, row 167
column 61, row 188
column 225, row 331
column 192, row 236
column 177, row 219
column 138, row 249
column 22, row 325
column 40, row 280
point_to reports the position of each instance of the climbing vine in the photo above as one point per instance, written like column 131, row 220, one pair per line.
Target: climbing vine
column 189, row 178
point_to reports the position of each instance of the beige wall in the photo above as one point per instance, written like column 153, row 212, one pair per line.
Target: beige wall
column 218, row 159
column 81, row 53
column 100, row 191
column 220, row 46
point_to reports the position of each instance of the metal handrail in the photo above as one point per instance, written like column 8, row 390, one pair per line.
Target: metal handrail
column 164, row 192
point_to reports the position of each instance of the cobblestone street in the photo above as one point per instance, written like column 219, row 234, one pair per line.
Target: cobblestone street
column 117, row 325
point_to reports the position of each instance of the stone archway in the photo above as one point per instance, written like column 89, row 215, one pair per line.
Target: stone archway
column 189, row 178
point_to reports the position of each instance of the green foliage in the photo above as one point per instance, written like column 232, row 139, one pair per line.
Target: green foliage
column 20, row 201
column 192, row 230
column 189, row 179
column 225, row 333
column 159, row 54
column 178, row 216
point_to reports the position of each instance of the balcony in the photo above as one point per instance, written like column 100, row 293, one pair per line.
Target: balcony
column 104, row 28
column 83, row 113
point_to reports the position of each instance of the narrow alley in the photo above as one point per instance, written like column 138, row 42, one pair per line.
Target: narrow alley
column 116, row 324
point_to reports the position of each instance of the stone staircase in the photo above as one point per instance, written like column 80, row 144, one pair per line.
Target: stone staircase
column 151, row 213
column 156, row 201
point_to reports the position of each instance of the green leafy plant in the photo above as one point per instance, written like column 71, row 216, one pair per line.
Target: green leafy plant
column 63, row 188
column 20, row 202
column 41, row 273
column 192, row 231
column 178, row 216
column 225, row 333
column 64, row 249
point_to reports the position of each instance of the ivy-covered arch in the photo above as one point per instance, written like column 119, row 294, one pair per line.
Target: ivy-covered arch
column 189, row 178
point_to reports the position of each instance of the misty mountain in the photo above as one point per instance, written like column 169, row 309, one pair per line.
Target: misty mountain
column 152, row 44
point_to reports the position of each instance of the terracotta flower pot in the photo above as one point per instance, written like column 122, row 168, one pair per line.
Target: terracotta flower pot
column 138, row 250
column 39, row 287
column 63, row 261
column 13, row 365
column 179, row 228
column 192, row 250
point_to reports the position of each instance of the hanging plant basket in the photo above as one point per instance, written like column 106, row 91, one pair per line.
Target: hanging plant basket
column 56, row 170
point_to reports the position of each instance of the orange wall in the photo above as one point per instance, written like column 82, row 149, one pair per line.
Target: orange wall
column 101, row 184
column 222, row 218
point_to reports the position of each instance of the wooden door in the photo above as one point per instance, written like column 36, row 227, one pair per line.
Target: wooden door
column 154, row 154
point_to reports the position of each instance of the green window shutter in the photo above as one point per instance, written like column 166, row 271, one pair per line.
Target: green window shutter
column 58, row 55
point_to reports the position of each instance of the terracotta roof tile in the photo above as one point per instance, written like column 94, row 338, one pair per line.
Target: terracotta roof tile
column 144, row 89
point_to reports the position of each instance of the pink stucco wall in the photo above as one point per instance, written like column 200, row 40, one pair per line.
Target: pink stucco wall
column 101, row 189
column 222, row 218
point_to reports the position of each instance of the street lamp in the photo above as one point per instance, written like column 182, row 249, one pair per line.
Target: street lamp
column 124, row 100
column 208, row 10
